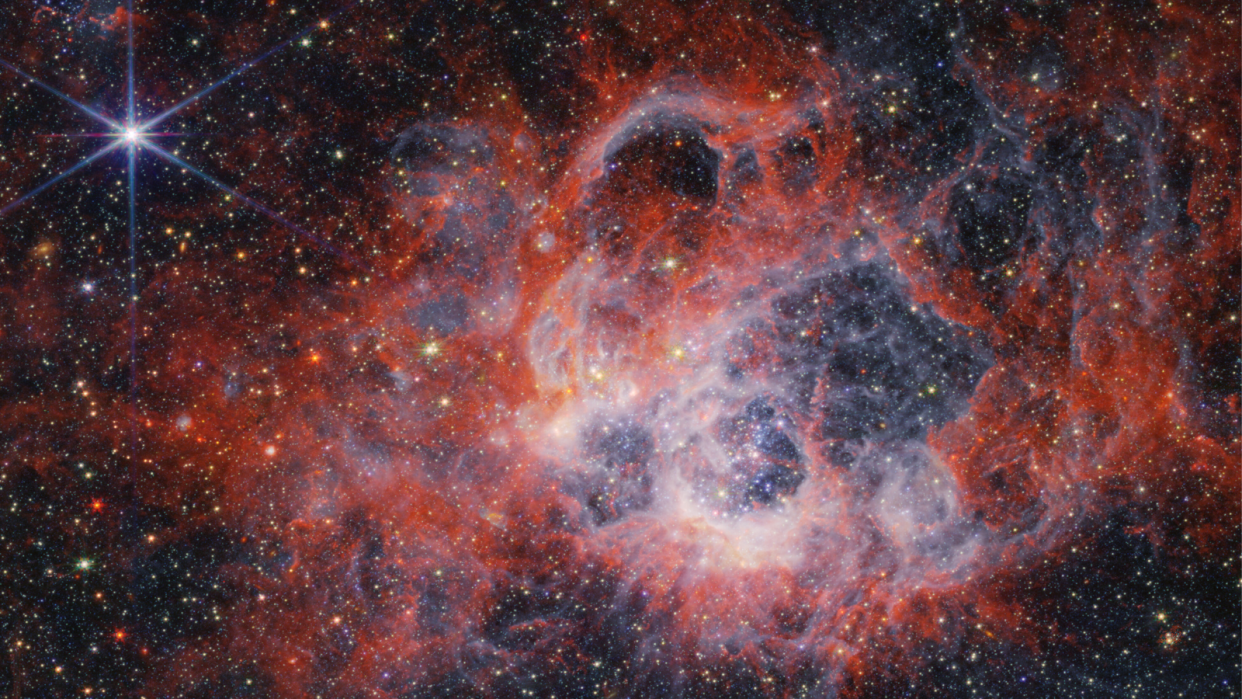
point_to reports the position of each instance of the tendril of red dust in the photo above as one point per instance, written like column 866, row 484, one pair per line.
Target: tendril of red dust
column 740, row 381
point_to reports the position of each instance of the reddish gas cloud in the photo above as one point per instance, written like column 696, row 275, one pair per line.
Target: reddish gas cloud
column 735, row 381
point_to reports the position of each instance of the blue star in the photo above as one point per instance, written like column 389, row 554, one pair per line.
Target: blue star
column 133, row 135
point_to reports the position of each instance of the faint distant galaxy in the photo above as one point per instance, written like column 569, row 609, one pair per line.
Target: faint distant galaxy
column 620, row 349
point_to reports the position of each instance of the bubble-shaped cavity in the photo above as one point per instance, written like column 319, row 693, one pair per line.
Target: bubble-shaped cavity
column 991, row 216
column 766, row 461
column 664, row 156
column 873, row 364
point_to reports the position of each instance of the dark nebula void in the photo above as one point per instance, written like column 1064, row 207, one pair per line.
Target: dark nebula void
column 627, row 349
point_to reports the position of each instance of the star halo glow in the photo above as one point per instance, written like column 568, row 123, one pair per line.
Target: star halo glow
column 133, row 135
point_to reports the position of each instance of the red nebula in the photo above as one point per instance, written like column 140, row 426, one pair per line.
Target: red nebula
column 718, row 366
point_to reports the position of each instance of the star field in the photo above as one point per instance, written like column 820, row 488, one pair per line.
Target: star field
column 620, row 349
